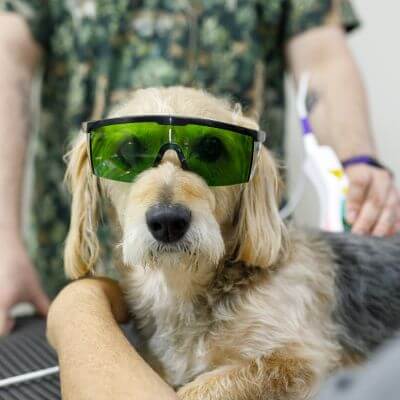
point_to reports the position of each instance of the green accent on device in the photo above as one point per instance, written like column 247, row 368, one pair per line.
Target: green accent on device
column 347, row 227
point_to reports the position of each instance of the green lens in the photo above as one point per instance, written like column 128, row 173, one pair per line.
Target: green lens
column 122, row 151
column 220, row 156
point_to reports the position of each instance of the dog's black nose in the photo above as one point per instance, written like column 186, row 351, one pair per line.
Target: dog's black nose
column 168, row 223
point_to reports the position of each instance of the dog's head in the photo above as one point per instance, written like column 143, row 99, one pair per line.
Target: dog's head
column 168, row 216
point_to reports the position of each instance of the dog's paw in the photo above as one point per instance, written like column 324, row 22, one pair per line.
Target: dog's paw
column 194, row 391
column 213, row 385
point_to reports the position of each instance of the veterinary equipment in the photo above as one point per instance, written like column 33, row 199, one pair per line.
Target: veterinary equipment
column 324, row 170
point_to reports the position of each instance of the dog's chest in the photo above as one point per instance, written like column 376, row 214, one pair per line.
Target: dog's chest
column 182, row 357
column 174, row 331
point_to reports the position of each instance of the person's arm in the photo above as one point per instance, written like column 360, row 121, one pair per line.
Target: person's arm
column 340, row 117
column 19, row 57
column 96, row 360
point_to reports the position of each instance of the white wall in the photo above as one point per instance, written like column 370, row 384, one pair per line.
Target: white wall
column 376, row 47
column 377, row 50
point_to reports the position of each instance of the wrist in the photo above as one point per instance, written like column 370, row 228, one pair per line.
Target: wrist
column 346, row 154
column 364, row 159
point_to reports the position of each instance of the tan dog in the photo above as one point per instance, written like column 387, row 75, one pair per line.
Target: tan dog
column 241, row 307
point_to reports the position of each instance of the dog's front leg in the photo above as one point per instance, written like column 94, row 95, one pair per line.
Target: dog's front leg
column 274, row 377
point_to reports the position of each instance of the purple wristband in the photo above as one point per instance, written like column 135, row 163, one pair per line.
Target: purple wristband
column 364, row 159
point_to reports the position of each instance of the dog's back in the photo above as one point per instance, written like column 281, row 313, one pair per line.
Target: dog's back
column 368, row 289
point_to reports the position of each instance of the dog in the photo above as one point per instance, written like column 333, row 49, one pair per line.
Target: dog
column 240, row 306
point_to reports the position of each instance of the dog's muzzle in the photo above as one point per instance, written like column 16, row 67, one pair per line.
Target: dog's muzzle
column 168, row 223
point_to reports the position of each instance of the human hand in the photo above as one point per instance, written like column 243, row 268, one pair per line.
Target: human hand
column 18, row 281
column 373, row 202
column 83, row 301
column 397, row 226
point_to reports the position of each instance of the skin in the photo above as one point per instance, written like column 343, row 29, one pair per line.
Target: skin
column 83, row 319
column 340, row 118
column 19, row 57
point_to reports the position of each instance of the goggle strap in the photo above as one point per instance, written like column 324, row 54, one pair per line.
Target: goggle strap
column 89, row 150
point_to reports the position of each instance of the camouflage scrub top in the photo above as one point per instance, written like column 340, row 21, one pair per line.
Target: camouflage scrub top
column 96, row 51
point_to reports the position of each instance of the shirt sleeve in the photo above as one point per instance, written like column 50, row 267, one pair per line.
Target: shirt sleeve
column 302, row 15
column 37, row 15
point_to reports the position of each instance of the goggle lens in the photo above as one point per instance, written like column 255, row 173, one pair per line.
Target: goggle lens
column 220, row 156
column 122, row 151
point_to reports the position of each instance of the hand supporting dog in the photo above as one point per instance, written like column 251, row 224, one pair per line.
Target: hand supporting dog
column 96, row 361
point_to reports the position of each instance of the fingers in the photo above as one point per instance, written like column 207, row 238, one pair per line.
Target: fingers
column 7, row 300
column 40, row 301
column 10, row 298
column 6, row 323
column 388, row 218
column 35, row 294
column 358, row 189
column 9, row 325
column 3, row 320
column 378, row 189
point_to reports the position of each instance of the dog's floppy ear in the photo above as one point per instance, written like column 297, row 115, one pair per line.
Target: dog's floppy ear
column 82, row 246
column 261, row 236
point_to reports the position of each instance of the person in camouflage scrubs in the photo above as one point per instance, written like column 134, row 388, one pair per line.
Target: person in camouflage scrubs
column 97, row 51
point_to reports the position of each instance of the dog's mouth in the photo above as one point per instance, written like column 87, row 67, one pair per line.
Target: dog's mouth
column 183, row 247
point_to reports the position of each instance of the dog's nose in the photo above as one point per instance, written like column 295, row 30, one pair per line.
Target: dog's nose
column 172, row 157
column 168, row 223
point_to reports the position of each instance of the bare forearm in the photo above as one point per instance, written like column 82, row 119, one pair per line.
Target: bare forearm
column 339, row 114
column 18, row 59
column 96, row 360
column 337, row 101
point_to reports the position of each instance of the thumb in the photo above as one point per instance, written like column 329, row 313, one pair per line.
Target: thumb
column 6, row 323
column 40, row 301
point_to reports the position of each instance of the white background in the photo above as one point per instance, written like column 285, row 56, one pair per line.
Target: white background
column 377, row 49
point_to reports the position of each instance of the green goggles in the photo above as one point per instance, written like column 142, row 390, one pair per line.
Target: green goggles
column 222, row 154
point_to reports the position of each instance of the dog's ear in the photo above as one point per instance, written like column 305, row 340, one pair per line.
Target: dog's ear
column 82, row 246
column 261, row 237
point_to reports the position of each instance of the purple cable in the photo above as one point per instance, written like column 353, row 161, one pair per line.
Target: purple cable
column 305, row 124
